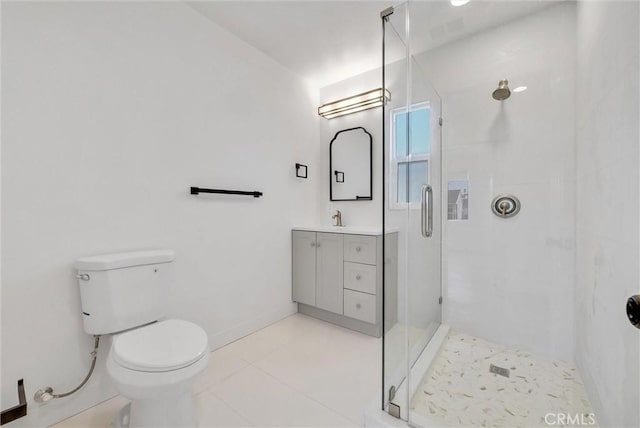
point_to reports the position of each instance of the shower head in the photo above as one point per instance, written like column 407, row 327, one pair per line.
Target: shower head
column 503, row 92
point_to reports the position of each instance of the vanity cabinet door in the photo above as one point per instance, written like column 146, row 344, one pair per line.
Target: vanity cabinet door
column 303, row 266
column 329, row 262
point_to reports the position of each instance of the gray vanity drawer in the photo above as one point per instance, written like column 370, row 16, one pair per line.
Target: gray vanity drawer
column 361, row 306
column 360, row 277
column 360, row 249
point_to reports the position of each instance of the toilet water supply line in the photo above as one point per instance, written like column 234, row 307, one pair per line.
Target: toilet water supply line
column 44, row 395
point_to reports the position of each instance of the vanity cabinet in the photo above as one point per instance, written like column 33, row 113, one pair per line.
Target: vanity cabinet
column 337, row 277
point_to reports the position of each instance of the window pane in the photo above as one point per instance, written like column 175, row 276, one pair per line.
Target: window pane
column 418, row 176
column 400, row 130
column 402, row 182
column 420, row 131
column 420, row 125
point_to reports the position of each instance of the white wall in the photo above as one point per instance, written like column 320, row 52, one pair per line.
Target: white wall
column 607, row 96
column 354, row 213
column 511, row 280
column 110, row 111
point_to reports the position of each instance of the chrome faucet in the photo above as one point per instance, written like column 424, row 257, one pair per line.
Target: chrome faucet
column 338, row 218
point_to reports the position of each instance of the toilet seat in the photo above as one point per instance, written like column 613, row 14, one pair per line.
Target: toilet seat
column 160, row 347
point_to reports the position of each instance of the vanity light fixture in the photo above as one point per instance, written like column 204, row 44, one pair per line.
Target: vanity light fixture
column 355, row 103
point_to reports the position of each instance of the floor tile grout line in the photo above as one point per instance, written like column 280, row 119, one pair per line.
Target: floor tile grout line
column 293, row 388
column 233, row 409
column 277, row 345
column 279, row 381
column 257, row 332
column 233, row 354
column 247, row 363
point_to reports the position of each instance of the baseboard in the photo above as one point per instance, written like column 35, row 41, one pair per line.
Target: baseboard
column 241, row 330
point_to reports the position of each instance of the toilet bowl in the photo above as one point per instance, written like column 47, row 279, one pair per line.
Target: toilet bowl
column 155, row 366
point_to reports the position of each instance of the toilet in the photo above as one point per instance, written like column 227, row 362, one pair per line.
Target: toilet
column 153, row 361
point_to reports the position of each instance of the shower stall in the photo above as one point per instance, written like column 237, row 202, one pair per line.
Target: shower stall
column 479, row 177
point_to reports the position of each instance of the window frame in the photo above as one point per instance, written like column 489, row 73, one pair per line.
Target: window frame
column 395, row 160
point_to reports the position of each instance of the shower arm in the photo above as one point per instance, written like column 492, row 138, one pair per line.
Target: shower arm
column 44, row 395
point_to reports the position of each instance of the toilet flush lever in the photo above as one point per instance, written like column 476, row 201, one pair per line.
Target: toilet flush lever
column 633, row 310
column 83, row 276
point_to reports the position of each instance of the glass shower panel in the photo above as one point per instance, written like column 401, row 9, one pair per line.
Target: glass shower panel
column 395, row 213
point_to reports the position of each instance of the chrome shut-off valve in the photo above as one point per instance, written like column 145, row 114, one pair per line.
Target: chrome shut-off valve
column 633, row 310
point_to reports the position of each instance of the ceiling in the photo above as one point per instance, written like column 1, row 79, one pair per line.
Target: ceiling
column 328, row 41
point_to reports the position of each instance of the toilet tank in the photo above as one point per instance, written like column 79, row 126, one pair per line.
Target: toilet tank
column 123, row 290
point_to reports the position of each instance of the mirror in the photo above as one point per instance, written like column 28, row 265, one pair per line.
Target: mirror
column 350, row 162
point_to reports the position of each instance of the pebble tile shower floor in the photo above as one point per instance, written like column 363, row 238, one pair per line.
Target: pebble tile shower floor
column 460, row 389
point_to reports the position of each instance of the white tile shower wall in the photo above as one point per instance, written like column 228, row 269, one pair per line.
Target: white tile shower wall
column 607, row 164
column 511, row 281
column 110, row 111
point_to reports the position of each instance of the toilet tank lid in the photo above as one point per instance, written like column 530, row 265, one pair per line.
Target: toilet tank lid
column 123, row 260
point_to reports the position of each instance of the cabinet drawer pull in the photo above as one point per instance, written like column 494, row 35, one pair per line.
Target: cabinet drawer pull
column 358, row 277
column 358, row 249
column 358, row 305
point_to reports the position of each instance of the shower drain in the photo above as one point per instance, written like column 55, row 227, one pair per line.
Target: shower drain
column 499, row 370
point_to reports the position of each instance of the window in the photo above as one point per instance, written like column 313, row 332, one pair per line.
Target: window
column 409, row 161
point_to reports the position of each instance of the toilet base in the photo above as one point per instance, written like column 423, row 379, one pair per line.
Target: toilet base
column 122, row 418
column 176, row 411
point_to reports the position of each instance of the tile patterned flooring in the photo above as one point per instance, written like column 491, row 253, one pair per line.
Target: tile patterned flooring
column 297, row 372
column 303, row 372
column 459, row 389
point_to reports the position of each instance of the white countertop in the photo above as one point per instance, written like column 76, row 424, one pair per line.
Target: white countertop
column 351, row 230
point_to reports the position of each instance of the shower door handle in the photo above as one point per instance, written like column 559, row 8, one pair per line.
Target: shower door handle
column 427, row 211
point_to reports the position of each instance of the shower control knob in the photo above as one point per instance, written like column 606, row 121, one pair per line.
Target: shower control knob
column 505, row 206
column 633, row 310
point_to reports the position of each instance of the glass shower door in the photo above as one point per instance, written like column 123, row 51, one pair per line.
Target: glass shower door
column 424, row 235
column 412, row 212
